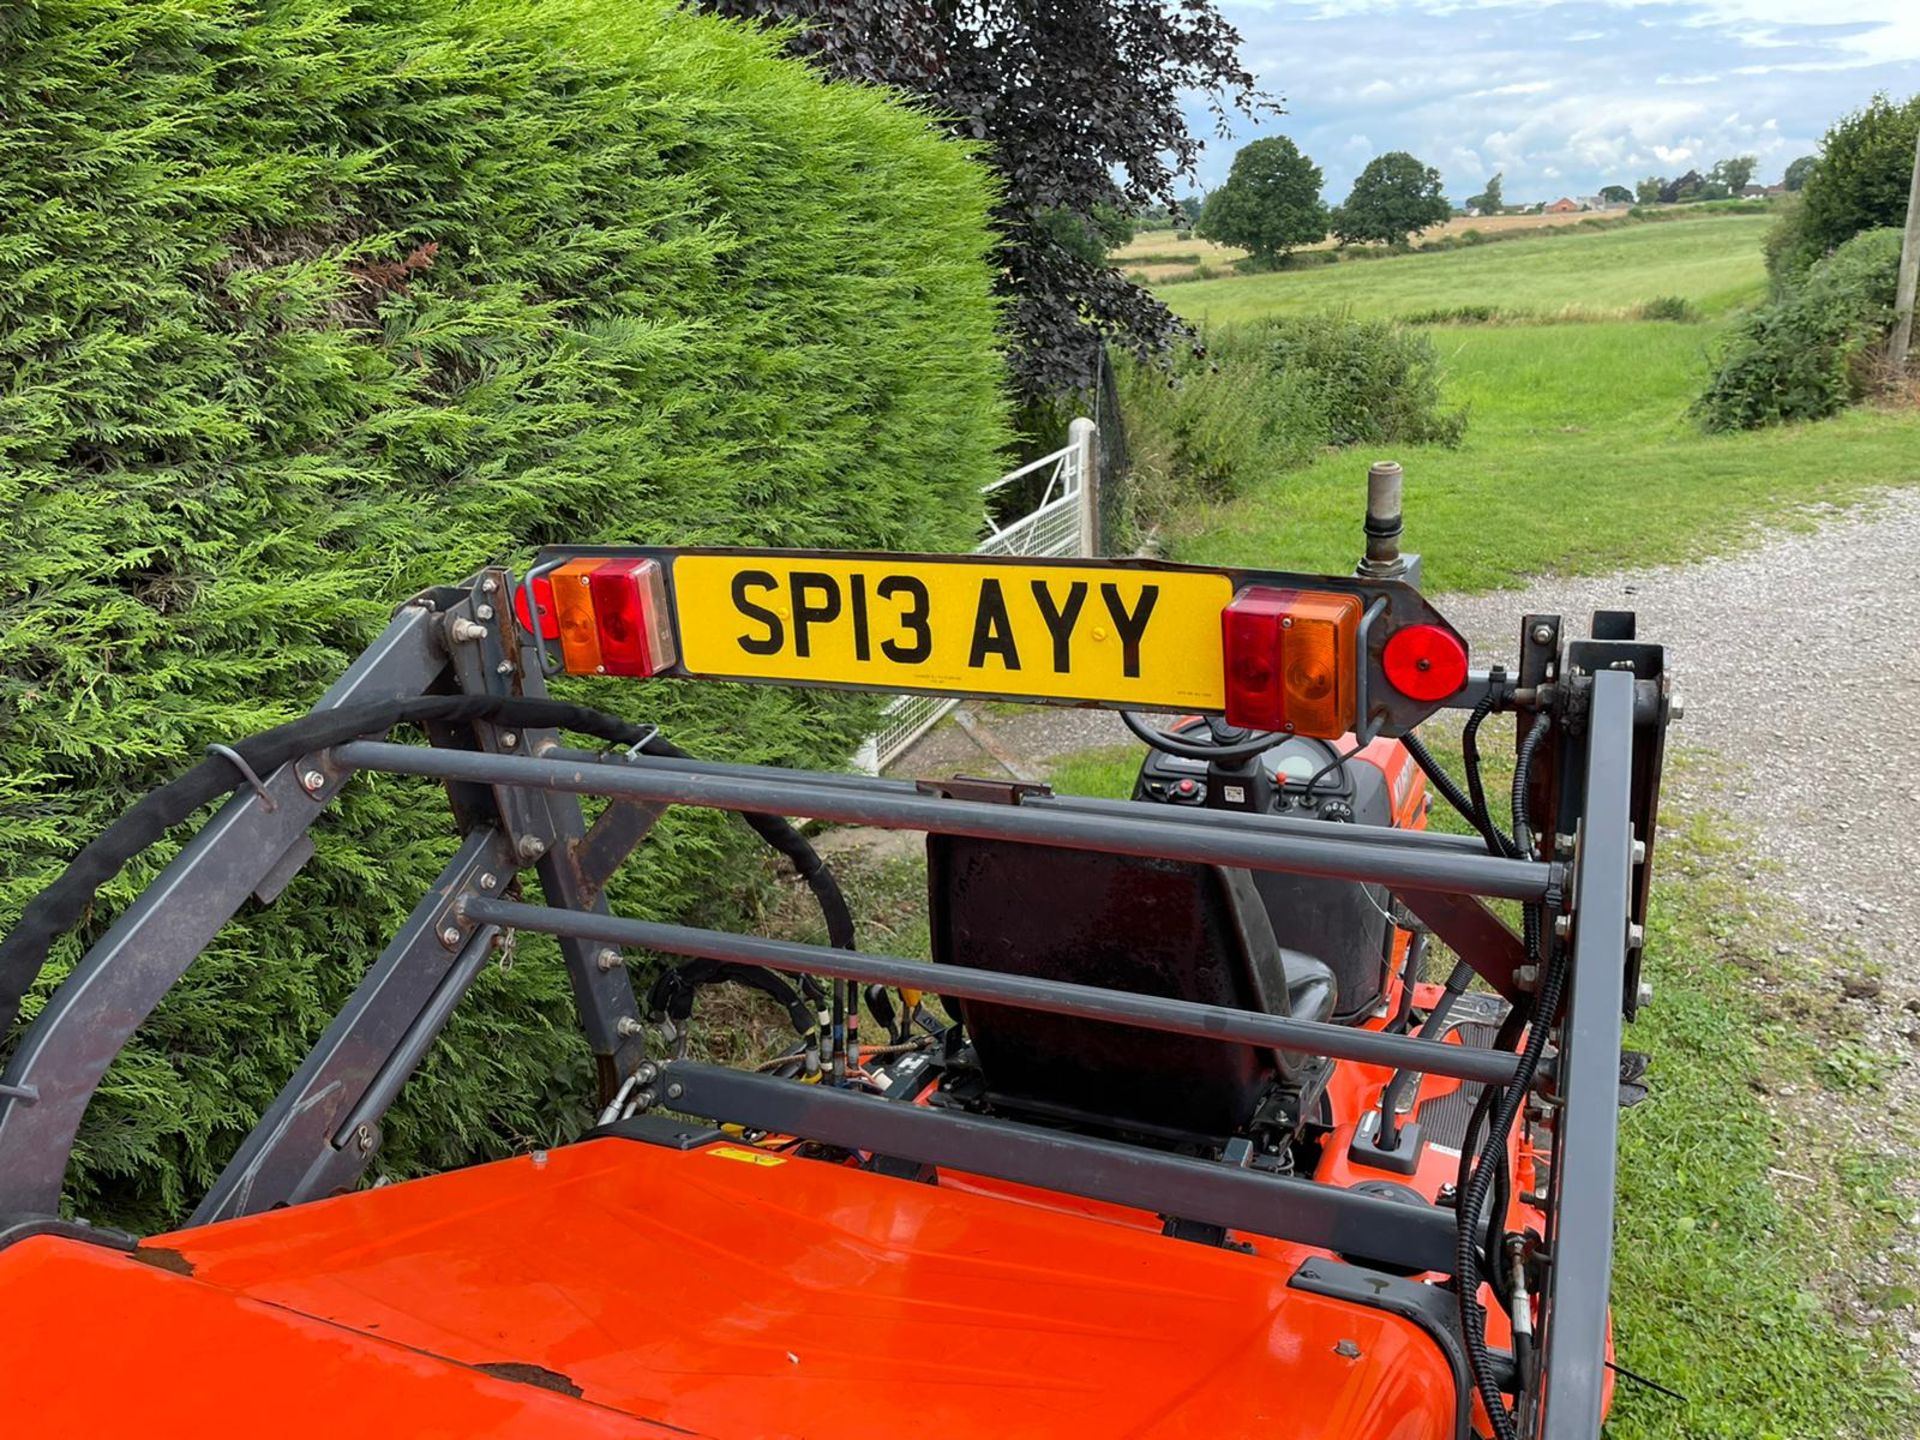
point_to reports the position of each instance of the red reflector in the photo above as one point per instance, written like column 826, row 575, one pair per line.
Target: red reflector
column 543, row 597
column 1425, row 662
column 630, row 614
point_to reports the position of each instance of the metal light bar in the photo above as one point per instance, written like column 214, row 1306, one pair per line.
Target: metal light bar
column 1575, row 1327
column 1304, row 1211
column 853, row 804
column 1148, row 1012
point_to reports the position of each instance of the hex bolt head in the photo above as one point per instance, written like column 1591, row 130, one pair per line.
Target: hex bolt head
column 1646, row 992
column 505, row 667
column 1562, row 926
column 1639, row 852
column 509, row 739
column 675, row 1090
column 1636, row 937
column 629, row 1028
column 450, row 936
column 1543, row 634
column 609, row 959
column 489, row 882
column 483, row 612
column 530, row 847
column 363, row 1137
column 313, row 781
column 464, row 631
column 488, row 585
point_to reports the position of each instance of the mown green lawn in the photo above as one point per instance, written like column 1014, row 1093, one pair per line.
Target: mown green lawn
column 1714, row 262
column 1579, row 458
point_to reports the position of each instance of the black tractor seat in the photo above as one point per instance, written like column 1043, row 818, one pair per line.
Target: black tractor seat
column 1150, row 926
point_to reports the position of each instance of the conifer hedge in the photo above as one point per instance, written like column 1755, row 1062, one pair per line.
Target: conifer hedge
column 307, row 304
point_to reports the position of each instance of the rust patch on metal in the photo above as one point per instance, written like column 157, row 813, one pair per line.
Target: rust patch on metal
column 536, row 1375
column 162, row 1258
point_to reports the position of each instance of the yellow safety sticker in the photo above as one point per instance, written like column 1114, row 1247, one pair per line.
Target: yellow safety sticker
column 751, row 1157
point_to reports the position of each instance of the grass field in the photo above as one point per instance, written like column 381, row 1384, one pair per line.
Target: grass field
column 1712, row 261
column 1579, row 455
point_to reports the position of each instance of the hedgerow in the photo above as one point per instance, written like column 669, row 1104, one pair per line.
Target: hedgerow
column 307, row 305
column 1812, row 351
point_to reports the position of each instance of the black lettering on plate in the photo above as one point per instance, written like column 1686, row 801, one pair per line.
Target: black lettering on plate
column 1131, row 627
column 776, row 635
column 857, row 594
column 992, row 630
column 913, row 619
column 1060, row 622
column 807, row 613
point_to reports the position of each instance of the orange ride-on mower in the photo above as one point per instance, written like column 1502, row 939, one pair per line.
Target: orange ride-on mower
column 1190, row 1147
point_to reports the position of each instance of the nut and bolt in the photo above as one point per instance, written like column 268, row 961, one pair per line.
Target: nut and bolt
column 509, row 739
column 363, row 1137
column 1526, row 978
column 1636, row 936
column 463, row 631
column 313, row 781
column 1543, row 634
column 489, row 882
column 609, row 959
column 675, row 1090
column 450, row 936
column 505, row 667
column 1639, row 852
column 488, row 585
column 483, row 612
column 629, row 1028
column 1646, row 992
column 530, row 847
column 1562, row 926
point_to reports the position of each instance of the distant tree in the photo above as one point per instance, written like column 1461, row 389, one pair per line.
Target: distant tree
column 1489, row 200
column 1649, row 190
column 1731, row 175
column 1190, row 209
column 1799, row 172
column 1616, row 194
column 1687, row 187
column 1866, row 165
column 1270, row 203
column 1395, row 197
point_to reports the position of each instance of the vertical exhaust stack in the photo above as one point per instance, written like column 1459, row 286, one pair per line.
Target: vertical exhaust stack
column 1383, row 559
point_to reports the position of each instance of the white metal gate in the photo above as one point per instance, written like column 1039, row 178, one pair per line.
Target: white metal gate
column 1064, row 522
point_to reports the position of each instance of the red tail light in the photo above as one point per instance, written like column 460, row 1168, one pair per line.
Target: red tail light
column 543, row 597
column 1291, row 659
column 630, row 614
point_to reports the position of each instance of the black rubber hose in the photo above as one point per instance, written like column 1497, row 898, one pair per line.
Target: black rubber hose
column 64, row 903
column 1448, row 787
column 1497, row 841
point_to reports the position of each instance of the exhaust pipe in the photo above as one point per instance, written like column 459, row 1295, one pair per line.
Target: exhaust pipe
column 1383, row 560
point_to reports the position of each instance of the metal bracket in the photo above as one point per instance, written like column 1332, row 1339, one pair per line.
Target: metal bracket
column 983, row 791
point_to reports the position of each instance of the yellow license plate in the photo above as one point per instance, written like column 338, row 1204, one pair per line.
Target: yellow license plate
column 1147, row 638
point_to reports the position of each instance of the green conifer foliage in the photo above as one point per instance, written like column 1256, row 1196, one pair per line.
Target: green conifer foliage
column 306, row 305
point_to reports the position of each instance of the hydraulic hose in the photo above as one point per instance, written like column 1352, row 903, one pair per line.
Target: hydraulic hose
column 62, row 904
column 1448, row 787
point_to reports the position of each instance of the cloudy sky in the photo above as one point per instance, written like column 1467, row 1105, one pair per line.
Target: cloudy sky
column 1564, row 97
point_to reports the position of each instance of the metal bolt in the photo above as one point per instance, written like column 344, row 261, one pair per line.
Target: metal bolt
column 1646, row 992
column 610, row 959
column 483, row 612
column 1639, row 852
column 1562, row 926
column 450, row 936
column 1636, row 936
column 463, row 630
column 312, row 781
column 505, row 667
column 489, row 882
column 675, row 1090
column 509, row 739
column 1526, row 977
column 1677, row 708
column 1563, row 844
column 530, row 847
column 629, row 1027
column 1347, row 1350
column 1286, row 622
column 1542, row 634
column 363, row 1137
column 488, row 585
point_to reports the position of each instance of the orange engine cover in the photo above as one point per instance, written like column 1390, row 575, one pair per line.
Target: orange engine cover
column 618, row 1288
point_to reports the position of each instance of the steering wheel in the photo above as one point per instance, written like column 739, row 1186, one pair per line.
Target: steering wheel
column 1226, row 743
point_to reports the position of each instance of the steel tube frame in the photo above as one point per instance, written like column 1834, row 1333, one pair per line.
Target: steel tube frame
column 1574, row 1332
column 853, row 804
column 1304, row 1211
column 1092, row 1002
